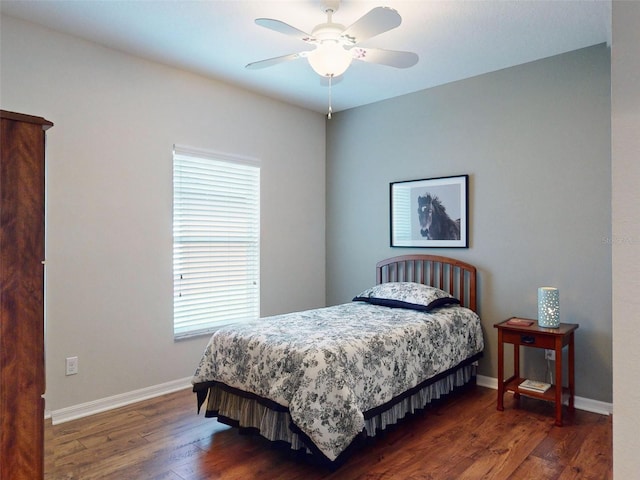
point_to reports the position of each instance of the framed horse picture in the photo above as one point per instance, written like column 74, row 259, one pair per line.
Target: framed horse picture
column 432, row 212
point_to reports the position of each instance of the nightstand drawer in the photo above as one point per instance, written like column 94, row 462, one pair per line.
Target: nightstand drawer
column 528, row 339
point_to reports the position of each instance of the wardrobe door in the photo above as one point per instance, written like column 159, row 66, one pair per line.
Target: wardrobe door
column 22, row 377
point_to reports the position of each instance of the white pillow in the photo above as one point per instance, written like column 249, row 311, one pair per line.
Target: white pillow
column 409, row 295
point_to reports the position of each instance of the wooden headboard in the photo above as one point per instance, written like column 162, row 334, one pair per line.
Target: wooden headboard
column 453, row 276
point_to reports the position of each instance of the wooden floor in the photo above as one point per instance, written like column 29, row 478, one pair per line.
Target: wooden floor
column 463, row 437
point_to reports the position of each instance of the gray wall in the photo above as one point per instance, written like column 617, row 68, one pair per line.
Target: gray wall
column 535, row 141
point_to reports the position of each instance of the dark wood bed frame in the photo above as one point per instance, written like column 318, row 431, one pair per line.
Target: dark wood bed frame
column 453, row 276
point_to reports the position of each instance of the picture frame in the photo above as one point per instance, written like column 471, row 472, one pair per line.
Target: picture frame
column 431, row 212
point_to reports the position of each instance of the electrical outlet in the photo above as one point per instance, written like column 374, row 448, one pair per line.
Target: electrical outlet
column 71, row 366
column 550, row 355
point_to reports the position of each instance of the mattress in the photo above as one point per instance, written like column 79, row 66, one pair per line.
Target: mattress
column 328, row 367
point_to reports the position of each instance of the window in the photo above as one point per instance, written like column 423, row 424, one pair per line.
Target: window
column 216, row 240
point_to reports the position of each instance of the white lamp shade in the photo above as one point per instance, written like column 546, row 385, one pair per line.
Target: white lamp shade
column 548, row 307
column 329, row 59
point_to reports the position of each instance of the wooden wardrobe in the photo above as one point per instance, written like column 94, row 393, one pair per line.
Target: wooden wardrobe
column 22, row 377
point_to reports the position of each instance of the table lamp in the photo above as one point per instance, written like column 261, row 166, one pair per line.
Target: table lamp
column 548, row 307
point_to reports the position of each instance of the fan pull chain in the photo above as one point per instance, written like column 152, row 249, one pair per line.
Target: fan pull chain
column 330, row 109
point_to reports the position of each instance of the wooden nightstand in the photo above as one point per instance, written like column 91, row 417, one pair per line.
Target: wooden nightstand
column 537, row 337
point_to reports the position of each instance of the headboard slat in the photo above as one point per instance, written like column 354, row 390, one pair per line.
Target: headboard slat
column 455, row 277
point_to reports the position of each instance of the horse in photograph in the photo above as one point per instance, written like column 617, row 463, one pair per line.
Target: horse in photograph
column 435, row 223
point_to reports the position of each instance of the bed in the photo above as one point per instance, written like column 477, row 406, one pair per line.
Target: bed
column 322, row 381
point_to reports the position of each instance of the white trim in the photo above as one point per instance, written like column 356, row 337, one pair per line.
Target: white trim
column 213, row 155
column 109, row 403
column 595, row 406
column 488, row 382
column 581, row 403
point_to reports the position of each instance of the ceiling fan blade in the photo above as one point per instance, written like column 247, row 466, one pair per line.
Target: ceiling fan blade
column 285, row 28
column 274, row 61
column 377, row 21
column 392, row 58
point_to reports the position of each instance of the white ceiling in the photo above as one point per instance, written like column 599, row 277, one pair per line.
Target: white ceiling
column 454, row 39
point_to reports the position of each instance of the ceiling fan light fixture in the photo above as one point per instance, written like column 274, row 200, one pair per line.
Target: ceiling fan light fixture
column 330, row 59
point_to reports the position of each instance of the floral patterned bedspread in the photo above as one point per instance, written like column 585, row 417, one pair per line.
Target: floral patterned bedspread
column 330, row 365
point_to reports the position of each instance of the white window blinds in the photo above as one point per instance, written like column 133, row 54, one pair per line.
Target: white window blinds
column 216, row 240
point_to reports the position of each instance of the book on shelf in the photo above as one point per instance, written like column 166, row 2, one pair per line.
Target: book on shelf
column 534, row 386
column 520, row 322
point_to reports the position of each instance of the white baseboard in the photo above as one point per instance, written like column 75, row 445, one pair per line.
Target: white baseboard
column 581, row 403
column 109, row 403
column 102, row 405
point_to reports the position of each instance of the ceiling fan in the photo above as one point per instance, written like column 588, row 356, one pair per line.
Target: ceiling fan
column 336, row 45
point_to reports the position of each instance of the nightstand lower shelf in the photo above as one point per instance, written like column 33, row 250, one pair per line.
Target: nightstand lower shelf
column 511, row 385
